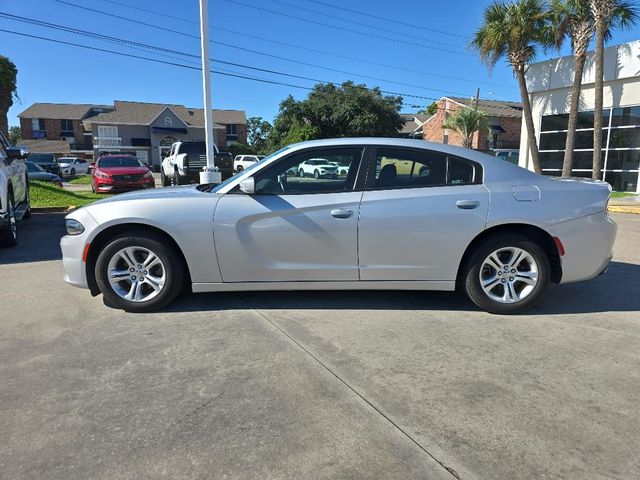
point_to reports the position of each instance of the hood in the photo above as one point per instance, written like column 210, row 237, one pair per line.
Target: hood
column 187, row 191
column 124, row 170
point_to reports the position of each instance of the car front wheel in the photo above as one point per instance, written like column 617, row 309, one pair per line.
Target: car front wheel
column 9, row 232
column 139, row 272
column 506, row 274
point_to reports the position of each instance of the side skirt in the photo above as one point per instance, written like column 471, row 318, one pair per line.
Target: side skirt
column 444, row 285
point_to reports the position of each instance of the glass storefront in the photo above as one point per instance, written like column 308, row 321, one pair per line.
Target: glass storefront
column 620, row 146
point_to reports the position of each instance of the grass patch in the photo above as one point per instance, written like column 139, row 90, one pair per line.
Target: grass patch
column 46, row 195
column 622, row 194
column 79, row 180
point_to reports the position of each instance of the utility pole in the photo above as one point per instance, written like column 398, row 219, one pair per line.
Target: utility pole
column 209, row 174
column 477, row 99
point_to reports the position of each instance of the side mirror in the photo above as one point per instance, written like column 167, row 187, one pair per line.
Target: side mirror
column 248, row 186
column 14, row 153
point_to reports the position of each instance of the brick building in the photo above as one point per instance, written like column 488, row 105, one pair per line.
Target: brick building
column 505, row 124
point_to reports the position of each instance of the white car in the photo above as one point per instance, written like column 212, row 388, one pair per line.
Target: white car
column 245, row 161
column 70, row 166
column 411, row 215
column 318, row 168
column 14, row 192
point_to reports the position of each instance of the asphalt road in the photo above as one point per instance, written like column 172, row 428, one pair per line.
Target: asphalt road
column 338, row 385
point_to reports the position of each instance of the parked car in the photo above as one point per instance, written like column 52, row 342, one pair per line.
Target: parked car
column 47, row 161
column 496, row 231
column 509, row 154
column 120, row 173
column 185, row 161
column 14, row 192
column 36, row 172
column 245, row 161
column 73, row 166
column 318, row 168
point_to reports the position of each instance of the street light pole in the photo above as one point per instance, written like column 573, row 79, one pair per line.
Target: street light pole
column 209, row 174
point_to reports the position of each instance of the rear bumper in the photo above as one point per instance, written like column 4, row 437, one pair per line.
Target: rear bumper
column 588, row 243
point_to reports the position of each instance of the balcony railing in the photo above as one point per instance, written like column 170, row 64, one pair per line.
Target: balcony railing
column 107, row 142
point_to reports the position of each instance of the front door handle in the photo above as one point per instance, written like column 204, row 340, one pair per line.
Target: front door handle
column 341, row 213
column 467, row 204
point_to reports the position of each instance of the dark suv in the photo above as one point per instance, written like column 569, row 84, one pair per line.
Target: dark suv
column 47, row 161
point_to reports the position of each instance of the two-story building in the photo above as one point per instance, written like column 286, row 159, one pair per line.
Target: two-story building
column 146, row 130
column 505, row 120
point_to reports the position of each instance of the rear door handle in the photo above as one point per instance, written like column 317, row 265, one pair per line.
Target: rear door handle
column 341, row 213
column 467, row 204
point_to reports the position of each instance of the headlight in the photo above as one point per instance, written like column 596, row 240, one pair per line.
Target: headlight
column 74, row 227
column 102, row 175
column 148, row 175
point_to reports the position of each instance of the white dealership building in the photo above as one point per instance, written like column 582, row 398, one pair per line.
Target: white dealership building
column 550, row 85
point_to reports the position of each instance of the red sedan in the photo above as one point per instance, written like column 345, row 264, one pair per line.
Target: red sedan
column 120, row 173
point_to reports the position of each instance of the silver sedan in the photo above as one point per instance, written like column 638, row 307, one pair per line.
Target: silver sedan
column 408, row 215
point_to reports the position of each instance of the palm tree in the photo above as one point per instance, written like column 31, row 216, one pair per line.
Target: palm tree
column 514, row 30
column 573, row 18
column 607, row 14
column 466, row 122
column 8, row 78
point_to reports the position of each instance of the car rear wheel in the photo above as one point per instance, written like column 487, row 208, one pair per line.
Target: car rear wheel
column 163, row 178
column 176, row 178
column 506, row 274
column 316, row 174
column 240, row 168
column 138, row 272
column 9, row 232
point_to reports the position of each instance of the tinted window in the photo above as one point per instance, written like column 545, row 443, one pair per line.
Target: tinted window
column 115, row 162
column 193, row 147
column 626, row 116
column 42, row 158
column 398, row 168
column 33, row 168
column 299, row 174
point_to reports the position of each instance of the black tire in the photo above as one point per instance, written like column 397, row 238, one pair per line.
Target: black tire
column 163, row 179
column 471, row 282
column 73, row 172
column 316, row 174
column 173, row 269
column 9, row 231
column 176, row 178
column 239, row 169
column 301, row 173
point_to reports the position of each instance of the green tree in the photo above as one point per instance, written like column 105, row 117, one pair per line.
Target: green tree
column 607, row 15
column 8, row 89
column 430, row 110
column 573, row 19
column 466, row 122
column 258, row 133
column 332, row 111
column 14, row 135
column 514, row 31
column 241, row 149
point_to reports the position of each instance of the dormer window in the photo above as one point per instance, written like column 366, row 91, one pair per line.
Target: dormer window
column 168, row 122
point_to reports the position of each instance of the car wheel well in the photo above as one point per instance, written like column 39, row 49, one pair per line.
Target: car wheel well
column 101, row 240
column 536, row 234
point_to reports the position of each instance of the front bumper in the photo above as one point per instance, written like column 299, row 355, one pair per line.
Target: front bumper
column 588, row 243
column 102, row 187
column 72, row 246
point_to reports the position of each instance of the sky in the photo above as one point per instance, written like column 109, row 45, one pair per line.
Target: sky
column 420, row 51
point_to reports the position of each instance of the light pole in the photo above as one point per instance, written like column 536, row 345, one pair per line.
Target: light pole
column 209, row 174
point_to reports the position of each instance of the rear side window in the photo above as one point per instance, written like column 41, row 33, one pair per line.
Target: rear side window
column 408, row 168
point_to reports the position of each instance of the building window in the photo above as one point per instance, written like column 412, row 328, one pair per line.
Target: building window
column 168, row 122
column 445, row 138
column 232, row 129
column 620, row 146
column 38, row 128
column 66, row 127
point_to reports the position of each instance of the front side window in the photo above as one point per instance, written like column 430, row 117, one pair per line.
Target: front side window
column 313, row 171
column 399, row 168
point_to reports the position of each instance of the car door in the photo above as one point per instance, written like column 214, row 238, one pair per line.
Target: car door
column 293, row 228
column 15, row 172
column 419, row 212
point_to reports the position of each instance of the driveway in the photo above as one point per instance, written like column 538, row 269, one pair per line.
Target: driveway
column 335, row 385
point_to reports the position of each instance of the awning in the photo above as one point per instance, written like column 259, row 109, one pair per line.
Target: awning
column 497, row 129
column 169, row 129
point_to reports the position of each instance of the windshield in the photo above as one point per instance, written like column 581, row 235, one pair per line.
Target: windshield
column 116, row 162
column 33, row 168
column 42, row 158
column 249, row 169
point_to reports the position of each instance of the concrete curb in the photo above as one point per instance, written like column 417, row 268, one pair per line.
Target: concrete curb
column 53, row 209
column 624, row 209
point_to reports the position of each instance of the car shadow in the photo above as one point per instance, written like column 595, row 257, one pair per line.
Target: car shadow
column 38, row 240
column 606, row 293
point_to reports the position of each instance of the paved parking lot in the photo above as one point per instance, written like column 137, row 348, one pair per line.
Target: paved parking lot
column 340, row 385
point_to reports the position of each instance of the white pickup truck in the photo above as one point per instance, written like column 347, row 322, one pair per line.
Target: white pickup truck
column 185, row 161
column 14, row 192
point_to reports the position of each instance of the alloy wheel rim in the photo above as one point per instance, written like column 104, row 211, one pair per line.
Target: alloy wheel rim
column 509, row 275
column 136, row 274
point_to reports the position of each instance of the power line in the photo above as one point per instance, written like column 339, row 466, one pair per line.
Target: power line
column 363, row 24
column 385, row 19
column 292, row 45
column 345, row 29
column 257, row 52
